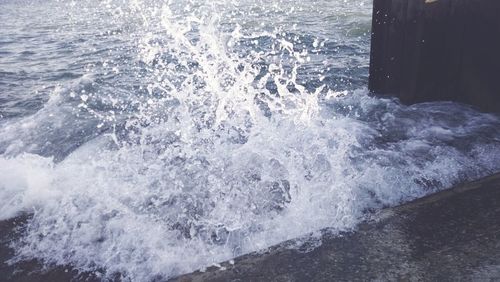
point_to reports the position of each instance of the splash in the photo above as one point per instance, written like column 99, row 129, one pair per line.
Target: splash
column 222, row 132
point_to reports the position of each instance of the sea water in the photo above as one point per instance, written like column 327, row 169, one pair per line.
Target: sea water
column 152, row 138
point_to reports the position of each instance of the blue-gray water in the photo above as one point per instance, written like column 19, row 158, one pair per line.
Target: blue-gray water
column 152, row 138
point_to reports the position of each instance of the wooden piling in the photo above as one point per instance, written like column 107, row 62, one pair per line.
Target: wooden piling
column 437, row 50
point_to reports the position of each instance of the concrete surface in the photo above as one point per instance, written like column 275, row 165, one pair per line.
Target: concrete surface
column 453, row 235
column 450, row 236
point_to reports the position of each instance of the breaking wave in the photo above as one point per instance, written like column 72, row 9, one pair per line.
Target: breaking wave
column 210, row 130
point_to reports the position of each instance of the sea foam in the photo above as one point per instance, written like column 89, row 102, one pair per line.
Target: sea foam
column 237, row 137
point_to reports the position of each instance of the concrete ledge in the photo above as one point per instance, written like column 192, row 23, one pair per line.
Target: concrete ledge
column 31, row 271
column 453, row 235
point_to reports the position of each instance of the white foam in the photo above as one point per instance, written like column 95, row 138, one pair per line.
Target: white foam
column 200, row 172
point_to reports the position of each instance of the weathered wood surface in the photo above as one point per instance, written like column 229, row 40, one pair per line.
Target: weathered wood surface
column 437, row 50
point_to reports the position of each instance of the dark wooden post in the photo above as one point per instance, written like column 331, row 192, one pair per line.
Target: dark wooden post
column 433, row 50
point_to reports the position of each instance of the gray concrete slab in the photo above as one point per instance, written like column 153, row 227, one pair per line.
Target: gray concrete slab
column 453, row 235
column 450, row 236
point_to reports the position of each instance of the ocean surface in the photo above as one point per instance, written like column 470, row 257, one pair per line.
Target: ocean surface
column 152, row 138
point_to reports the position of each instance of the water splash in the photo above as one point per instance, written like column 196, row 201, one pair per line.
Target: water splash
column 217, row 129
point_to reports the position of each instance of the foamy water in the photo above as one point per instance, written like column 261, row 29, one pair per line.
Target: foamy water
column 154, row 138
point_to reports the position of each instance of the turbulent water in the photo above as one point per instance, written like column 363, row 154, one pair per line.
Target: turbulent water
column 152, row 138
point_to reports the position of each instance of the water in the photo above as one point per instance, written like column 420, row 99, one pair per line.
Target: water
column 152, row 138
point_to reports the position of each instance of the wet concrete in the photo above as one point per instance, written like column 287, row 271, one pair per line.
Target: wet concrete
column 450, row 236
column 31, row 271
column 453, row 235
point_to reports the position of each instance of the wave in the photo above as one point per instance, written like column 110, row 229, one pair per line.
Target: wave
column 221, row 137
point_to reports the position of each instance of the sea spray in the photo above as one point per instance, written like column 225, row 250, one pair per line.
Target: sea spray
column 211, row 130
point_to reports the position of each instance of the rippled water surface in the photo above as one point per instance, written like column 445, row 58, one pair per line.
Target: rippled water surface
column 152, row 138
